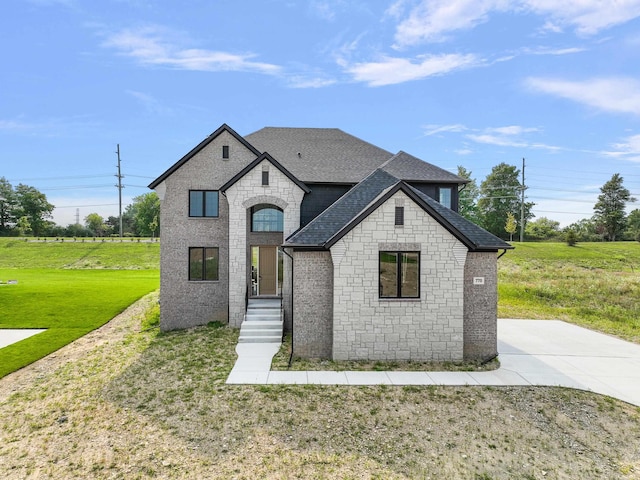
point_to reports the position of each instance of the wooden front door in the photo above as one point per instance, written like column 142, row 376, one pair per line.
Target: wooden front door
column 268, row 271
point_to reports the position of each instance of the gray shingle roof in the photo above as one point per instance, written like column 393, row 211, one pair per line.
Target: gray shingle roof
column 365, row 197
column 326, row 154
column 412, row 169
column 322, row 228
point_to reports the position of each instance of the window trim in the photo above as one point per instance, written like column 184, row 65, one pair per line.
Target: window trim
column 204, row 265
column 398, row 295
column 204, row 204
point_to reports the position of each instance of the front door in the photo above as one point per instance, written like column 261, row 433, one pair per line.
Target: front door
column 264, row 270
column 267, row 270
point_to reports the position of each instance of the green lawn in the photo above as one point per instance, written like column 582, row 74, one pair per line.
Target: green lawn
column 596, row 285
column 68, row 288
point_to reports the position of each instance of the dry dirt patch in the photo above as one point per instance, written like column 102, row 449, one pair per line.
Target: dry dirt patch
column 125, row 403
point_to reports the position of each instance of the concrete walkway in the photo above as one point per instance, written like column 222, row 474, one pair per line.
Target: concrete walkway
column 9, row 336
column 532, row 352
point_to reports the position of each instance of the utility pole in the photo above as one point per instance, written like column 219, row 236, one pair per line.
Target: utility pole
column 522, row 189
column 120, row 187
column 77, row 216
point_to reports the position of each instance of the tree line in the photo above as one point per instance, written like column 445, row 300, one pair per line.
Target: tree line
column 497, row 206
column 25, row 211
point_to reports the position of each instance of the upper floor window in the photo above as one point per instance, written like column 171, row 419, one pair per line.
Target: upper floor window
column 203, row 203
column 225, row 151
column 265, row 177
column 399, row 220
column 444, row 196
column 266, row 218
column 399, row 274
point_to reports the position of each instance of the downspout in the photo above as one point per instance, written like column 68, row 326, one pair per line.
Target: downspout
column 504, row 250
column 224, row 194
column 292, row 297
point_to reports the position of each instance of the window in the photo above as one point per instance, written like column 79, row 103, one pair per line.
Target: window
column 266, row 218
column 444, row 196
column 203, row 263
column 225, row 151
column 265, row 177
column 399, row 215
column 203, row 203
column 399, row 274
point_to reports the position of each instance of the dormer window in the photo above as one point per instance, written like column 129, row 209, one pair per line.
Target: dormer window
column 444, row 196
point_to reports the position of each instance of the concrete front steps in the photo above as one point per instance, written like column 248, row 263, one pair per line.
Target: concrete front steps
column 262, row 322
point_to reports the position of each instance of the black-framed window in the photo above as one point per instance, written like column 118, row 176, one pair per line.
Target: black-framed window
column 399, row 274
column 445, row 196
column 265, row 177
column 225, row 151
column 203, row 263
column 203, row 203
column 267, row 218
column 399, row 216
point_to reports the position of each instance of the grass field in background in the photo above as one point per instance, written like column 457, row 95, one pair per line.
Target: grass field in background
column 596, row 285
column 68, row 288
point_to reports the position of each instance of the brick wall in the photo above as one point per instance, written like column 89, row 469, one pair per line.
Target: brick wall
column 367, row 327
column 183, row 303
column 480, row 306
column 313, row 304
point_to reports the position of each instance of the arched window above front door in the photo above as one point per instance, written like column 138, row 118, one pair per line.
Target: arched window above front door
column 267, row 218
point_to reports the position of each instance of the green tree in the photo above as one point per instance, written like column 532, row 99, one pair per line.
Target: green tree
column 23, row 226
column 7, row 206
column 143, row 210
column 95, row 223
column 543, row 229
column 584, row 229
column 609, row 209
column 511, row 225
column 33, row 204
column 499, row 195
column 633, row 225
column 468, row 197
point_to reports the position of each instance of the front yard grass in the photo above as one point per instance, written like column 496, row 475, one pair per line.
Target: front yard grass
column 595, row 285
column 150, row 405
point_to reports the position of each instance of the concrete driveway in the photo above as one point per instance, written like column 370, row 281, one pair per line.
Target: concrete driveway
column 532, row 352
column 555, row 353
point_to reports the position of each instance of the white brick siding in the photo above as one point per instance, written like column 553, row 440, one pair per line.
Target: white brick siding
column 367, row 327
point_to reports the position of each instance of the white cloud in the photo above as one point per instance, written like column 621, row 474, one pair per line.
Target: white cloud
column 393, row 70
column 628, row 149
column 588, row 17
column 150, row 103
column 510, row 136
column 150, row 46
column 298, row 81
column 464, row 151
column 434, row 20
column 613, row 94
column 435, row 129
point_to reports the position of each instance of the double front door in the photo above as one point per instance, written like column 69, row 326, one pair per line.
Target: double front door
column 266, row 270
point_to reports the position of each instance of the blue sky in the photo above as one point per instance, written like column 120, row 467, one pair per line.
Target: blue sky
column 454, row 82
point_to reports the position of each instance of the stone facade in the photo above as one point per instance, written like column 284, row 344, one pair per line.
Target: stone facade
column 313, row 304
column 368, row 327
column 183, row 303
column 480, row 306
column 242, row 195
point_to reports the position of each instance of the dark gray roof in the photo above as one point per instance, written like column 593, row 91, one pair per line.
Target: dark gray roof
column 364, row 198
column 326, row 154
column 322, row 228
column 412, row 169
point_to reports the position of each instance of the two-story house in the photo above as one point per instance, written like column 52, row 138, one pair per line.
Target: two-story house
column 363, row 246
